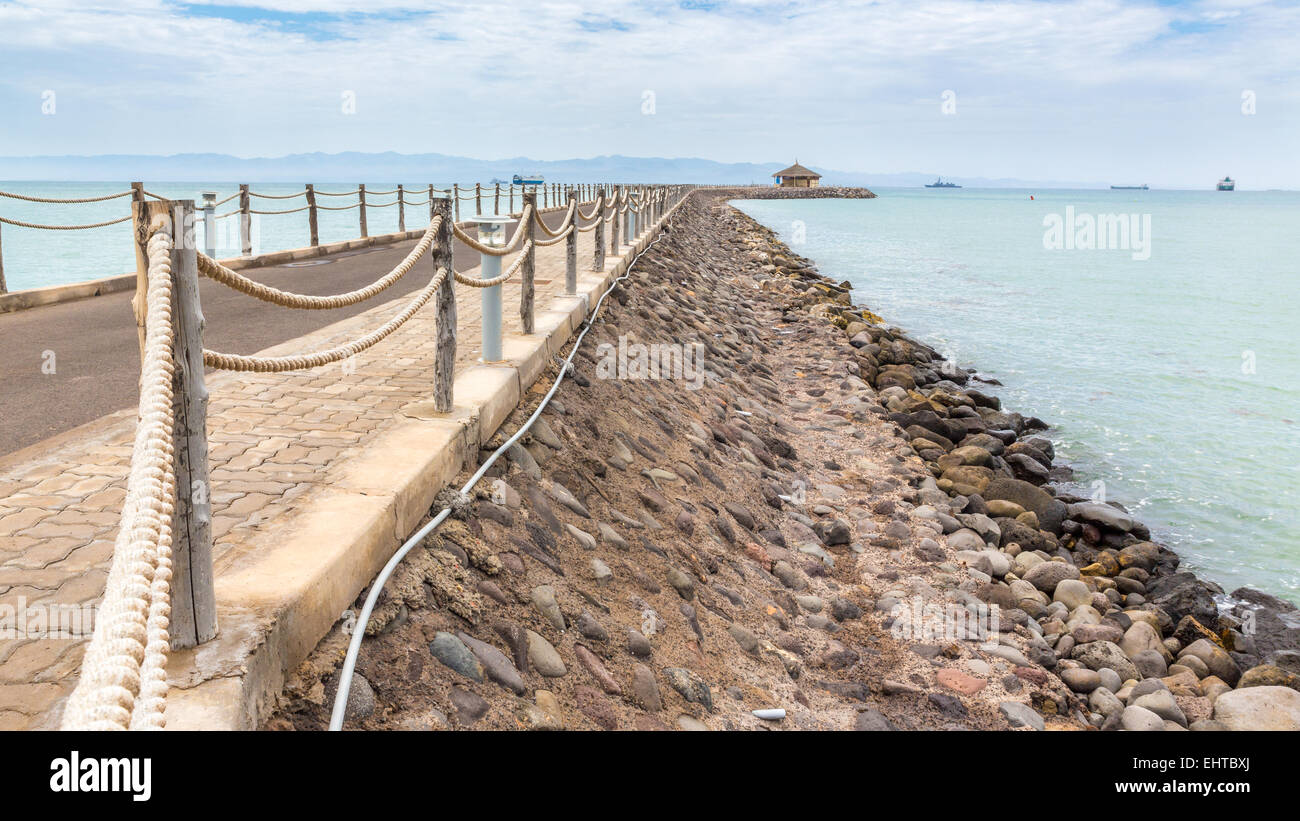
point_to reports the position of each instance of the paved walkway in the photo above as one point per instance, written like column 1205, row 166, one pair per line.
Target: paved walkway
column 274, row 440
column 97, row 356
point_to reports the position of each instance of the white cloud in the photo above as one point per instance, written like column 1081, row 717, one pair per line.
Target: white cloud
column 745, row 80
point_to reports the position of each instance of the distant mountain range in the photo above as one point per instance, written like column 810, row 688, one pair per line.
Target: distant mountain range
column 390, row 167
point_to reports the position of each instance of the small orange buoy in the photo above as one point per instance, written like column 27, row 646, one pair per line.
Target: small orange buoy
column 1031, row 196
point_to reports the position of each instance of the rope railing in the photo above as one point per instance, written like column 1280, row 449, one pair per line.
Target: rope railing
column 500, row 195
column 123, row 681
column 490, row 250
column 280, row 364
column 474, row 282
column 276, row 213
column 123, row 684
column 217, row 272
column 59, row 201
column 40, row 227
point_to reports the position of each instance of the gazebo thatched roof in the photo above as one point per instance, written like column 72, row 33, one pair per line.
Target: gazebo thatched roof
column 798, row 170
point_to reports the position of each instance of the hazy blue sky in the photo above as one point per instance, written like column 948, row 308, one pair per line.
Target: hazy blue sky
column 1079, row 89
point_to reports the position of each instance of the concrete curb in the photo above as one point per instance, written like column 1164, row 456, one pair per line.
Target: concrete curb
column 275, row 605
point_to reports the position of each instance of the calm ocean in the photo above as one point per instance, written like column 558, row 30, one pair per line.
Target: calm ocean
column 33, row 259
column 1170, row 371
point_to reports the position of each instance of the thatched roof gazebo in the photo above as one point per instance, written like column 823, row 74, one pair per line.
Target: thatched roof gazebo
column 796, row 176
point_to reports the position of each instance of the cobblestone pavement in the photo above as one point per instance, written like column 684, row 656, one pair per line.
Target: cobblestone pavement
column 274, row 439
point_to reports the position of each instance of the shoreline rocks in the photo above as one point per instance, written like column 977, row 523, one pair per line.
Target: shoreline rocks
column 821, row 526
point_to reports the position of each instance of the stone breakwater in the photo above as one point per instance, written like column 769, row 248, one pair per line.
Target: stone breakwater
column 771, row 192
column 821, row 526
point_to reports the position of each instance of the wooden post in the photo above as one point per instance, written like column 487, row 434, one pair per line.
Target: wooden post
column 444, row 300
column 455, row 198
column 616, row 242
column 478, row 198
column 527, row 269
column 361, row 192
column 614, row 219
column 401, row 211
column 571, row 249
column 496, row 202
column 193, row 603
column 511, row 203
column 245, row 222
column 312, row 224
column 598, row 235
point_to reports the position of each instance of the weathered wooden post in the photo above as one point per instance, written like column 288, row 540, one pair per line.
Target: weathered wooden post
column 615, row 218
column 571, row 249
column 361, row 193
column 510, row 204
column 312, row 225
column 598, row 259
column 528, row 268
column 478, row 198
column 193, row 602
column 616, row 240
column 496, row 200
column 455, row 198
column 245, row 222
column 401, row 211
column 444, row 300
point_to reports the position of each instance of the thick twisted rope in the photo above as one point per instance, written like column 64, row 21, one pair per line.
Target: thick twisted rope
column 217, row 272
column 558, row 238
column 338, row 194
column 27, row 198
column 497, row 280
column 21, row 224
column 339, row 207
column 488, row 249
column 279, row 364
column 273, row 213
column 274, row 196
column 562, row 228
column 123, row 683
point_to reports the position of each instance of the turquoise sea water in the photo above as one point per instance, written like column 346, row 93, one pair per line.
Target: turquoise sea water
column 34, row 258
column 1174, row 379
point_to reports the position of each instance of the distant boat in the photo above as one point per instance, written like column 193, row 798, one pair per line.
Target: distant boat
column 531, row 179
column 939, row 183
column 1130, row 188
column 1226, row 184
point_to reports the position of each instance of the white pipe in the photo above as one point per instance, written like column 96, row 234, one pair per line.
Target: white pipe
column 354, row 646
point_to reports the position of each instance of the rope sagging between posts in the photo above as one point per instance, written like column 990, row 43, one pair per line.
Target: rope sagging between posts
column 21, row 224
column 490, row 250
column 217, row 272
column 474, row 282
column 279, row 364
column 58, row 201
column 123, row 683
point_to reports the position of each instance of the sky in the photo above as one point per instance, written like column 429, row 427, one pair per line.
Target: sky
column 1167, row 93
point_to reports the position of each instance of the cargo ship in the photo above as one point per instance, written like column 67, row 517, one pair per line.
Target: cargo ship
column 529, row 179
column 1226, row 184
column 1129, row 188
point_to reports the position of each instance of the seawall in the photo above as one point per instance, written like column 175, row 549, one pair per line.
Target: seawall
column 823, row 518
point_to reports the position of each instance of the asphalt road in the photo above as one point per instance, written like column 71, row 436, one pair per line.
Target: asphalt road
column 95, row 357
